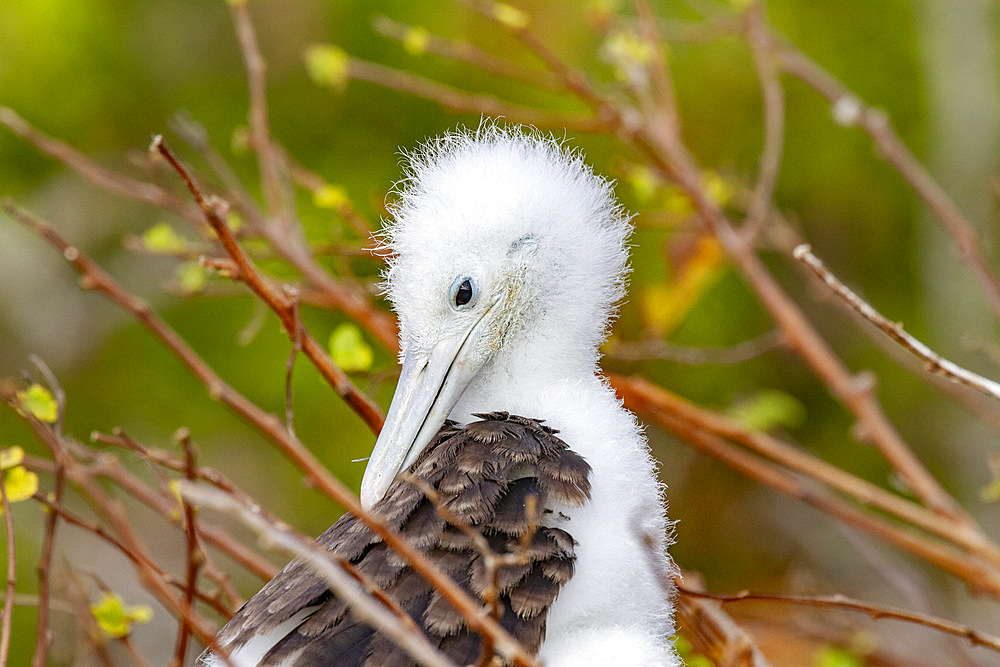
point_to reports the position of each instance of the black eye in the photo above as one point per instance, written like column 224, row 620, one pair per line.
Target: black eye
column 463, row 292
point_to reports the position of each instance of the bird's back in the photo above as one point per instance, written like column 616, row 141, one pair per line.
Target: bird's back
column 482, row 475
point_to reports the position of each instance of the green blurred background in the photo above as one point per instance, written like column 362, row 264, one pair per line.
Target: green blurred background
column 106, row 75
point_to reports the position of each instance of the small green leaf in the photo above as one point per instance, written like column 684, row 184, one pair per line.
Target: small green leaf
column 328, row 65
column 510, row 16
column 349, row 349
column 39, row 403
column 330, row 196
column 10, row 457
column 115, row 618
column 991, row 492
column 191, row 277
column 162, row 238
column 768, row 409
column 415, row 41
column 19, row 483
column 643, row 181
column 239, row 141
column 832, row 656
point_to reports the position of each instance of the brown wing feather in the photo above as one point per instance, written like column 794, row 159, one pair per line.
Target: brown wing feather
column 483, row 473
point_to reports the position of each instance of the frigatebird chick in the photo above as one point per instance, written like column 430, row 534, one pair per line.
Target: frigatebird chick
column 508, row 257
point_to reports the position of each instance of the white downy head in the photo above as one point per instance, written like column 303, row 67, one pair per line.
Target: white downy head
column 507, row 253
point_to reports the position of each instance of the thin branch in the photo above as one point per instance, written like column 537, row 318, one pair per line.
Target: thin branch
column 466, row 102
column 214, row 211
column 662, row 144
column 850, row 110
column 44, row 569
column 774, row 119
column 696, row 355
column 933, row 362
column 462, row 51
column 979, row 573
column 259, row 127
column 193, row 554
column 975, row 637
column 95, row 173
column 364, row 608
column 7, row 616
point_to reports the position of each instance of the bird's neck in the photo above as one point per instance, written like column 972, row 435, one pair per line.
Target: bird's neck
column 529, row 384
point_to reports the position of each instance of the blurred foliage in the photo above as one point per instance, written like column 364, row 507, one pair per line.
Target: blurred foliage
column 107, row 74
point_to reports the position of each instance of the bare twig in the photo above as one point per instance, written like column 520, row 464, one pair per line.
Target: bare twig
column 774, row 119
column 193, row 554
column 975, row 637
column 660, row 141
column 100, row 176
column 7, row 616
column 363, row 607
column 850, row 110
column 685, row 354
column 214, row 211
column 44, row 569
column 462, row 51
column 460, row 100
column 933, row 362
column 977, row 565
column 260, row 129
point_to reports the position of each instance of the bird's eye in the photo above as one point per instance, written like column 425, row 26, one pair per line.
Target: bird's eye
column 463, row 292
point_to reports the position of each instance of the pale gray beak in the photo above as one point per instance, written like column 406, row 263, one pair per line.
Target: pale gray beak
column 429, row 386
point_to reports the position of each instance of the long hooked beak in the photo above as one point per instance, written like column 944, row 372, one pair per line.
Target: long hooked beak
column 429, row 386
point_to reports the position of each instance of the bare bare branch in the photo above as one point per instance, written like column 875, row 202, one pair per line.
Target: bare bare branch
column 933, row 362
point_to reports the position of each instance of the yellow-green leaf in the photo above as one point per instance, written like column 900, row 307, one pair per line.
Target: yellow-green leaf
column 349, row 349
column 115, row 618
column 643, row 181
column 832, row 656
column 415, row 41
column 327, row 65
column 19, row 483
column 191, row 277
column 10, row 457
column 510, row 16
column 664, row 307
column 330, row 196
column 239, row 141
column 991, row 492
column 162, row 238
column 768, row 409
column 37, row 401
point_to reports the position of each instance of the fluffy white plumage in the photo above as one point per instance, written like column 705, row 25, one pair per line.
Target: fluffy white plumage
column 533, row 224
column 543, row 241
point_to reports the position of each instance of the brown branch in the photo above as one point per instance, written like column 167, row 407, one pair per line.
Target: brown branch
column 260, row 130
column 850, row 110
column 975, row 637
column 654, row 401
column 115, row 516
column 696, row 355
column 466, row 102
column 659, row 139
column 193, row 554
column 96, row 530
column 368, row 610
column 44, row 569
column 933, row 362
column 214, row 211
column 465, row 52
column 712, row 632
column 774, row 120
column 95, row 173
column 979, row 574
column 7, row 616
column 95, row 278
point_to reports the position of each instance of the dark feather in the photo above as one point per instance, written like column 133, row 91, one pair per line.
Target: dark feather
column 484, row 474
